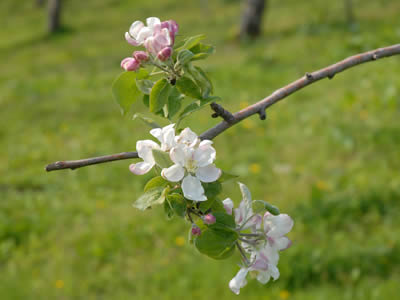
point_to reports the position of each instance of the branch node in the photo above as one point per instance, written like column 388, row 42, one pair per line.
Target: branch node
column 309, row 76
column 330, row 76
column 374, row 56
column 222, row 112
column 262, row 114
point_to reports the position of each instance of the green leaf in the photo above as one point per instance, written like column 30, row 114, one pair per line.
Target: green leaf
column 187, row 87
column 206, row 205
column 159, row 95
column 223, row 220
column 146, row 100
column 201, row 80
column 144, row 85
column 149, row 198
column 192, row 107
column 184, row 56
column 261, row 205
column 191, row 42
column 157, row 181
column 177, row 203
column 146, row 120
column 212, row 189
column 174, row 102
column 201, row 51
column 216, row 243
column 227, row 176
column 217, row 206
column 125, row 91
column 162, row 158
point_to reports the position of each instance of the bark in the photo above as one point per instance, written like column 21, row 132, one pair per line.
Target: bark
column 252, row 18
column 54, row 15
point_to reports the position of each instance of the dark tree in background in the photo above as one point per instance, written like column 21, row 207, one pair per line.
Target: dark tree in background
column 54, row 15
column 252, row 18
column 348, row 5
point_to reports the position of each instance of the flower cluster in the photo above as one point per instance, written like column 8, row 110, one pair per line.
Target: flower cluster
column 157, row 37
column 193, row 160
column 259, row 248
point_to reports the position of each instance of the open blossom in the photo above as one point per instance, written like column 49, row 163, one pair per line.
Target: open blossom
column 165, row 135
column 160, row 44
column 138, row 33
column 193, row 162
column 264, row 253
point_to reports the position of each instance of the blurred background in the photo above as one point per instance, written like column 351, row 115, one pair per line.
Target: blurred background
column 327, row 155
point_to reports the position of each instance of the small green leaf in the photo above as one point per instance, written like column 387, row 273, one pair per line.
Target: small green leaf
column 212, row 189
column 155, row 182
column 217, row 243
column 144, row 85
column 187, row 87
column 192, row 107
column 261, row 205
column 149, row 198
column 162, row 158
column 201, row 51
column 125, row 91
column 146, row 120
column 184, row 56
column 201, row 80
column 178, row 204
column 174, row 102
column 191, row 42
column 223, row 220
column 146, row 100
column 159, row 95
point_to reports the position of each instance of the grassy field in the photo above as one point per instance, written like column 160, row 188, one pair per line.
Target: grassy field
column 328, row 155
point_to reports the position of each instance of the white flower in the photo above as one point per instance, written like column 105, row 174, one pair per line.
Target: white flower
column 275, row 229
column 145, row 151
column 239, row 281
column 193, row 162
column 165, row 135
column 138, row 33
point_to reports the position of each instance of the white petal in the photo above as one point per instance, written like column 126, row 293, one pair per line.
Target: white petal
column 192, row 189
column 131, row 40
column 143, row 34
column 270, row 254
column 238, row 281
column 204, row 155
column 208, row 173
column 157, row 133
column 177, row 155
column 165, row 33
column 168, row 137
column 140, row 168
column 245, row 211
column 228, row 205
column 187, row 137
column 145, row 148
column 277, row 226
column 281, row 243
column 174, row 173
column 273, row 270
column 152, row 21
column 205, row 143
column 263, row 277
column 135, row 28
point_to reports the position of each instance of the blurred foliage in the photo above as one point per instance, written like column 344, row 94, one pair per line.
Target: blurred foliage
column 328, row 155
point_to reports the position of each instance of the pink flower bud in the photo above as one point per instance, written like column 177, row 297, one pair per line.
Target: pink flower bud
column 141, row 56
column 209, row 219
column 130, row 64
column 196, row 230
column 164, row 54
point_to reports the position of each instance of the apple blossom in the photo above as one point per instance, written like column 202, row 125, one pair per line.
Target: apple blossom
column 159, row 41
column 209, row 219
column 196, row 230
column 193, row 162
column 141, row 56
column 275, row 229
column 138, row 33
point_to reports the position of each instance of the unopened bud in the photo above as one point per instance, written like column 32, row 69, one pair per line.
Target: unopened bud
column 130, row 64
column 141, row 56
column 164, row 54
column 196, row 230
column 209, row 219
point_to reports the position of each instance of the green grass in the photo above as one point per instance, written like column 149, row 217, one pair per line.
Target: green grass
column 328, row 155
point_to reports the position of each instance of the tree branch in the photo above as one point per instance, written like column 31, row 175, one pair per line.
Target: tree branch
column 257, row 108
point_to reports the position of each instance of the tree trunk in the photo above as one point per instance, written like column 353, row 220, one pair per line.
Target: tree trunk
column 348, row 5
column 252, row 18
column 54, row 15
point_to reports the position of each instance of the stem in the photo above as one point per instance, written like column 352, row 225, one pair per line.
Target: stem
column 250, row 234
column 257, row 108
column 244, row 257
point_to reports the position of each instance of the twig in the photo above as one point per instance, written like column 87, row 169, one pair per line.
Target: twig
column 221, row 112
column 257, row 108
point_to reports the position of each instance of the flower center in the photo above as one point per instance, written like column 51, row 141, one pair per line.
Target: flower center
column 191, row 166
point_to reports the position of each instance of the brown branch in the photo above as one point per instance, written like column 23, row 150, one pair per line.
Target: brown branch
column 257, row 108
column 221, row 112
